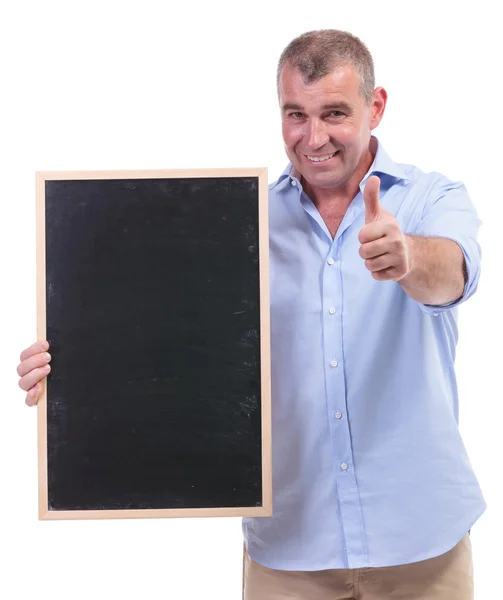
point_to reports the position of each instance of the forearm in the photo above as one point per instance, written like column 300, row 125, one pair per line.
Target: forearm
column 437, row 270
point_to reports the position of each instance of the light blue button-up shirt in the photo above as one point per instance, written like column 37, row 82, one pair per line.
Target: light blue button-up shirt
column 369, row 468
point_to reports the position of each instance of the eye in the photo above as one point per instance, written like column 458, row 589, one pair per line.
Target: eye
column 339, row 113
column 294, row 113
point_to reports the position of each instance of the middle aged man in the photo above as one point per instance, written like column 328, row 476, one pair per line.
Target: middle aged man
column 373, row 492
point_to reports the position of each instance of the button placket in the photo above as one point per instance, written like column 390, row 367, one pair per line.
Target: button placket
column 344, row 475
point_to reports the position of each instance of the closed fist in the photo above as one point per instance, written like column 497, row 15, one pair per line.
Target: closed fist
column 384, row 246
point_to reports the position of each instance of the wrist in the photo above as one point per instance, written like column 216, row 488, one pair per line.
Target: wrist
column 410, row 257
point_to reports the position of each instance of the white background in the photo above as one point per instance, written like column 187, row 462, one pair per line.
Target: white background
column 133, row 85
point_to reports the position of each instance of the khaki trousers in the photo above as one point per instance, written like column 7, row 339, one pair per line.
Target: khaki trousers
column 445, row 577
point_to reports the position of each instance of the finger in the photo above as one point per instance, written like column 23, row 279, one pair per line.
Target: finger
column 373, row 231
column 35, row 361
column 371, row 199
column 372, row 249
column 379, row 263
column 36, row 348
column 33, row 395
column 389, row 274
column 33, row 377
column 392, row 273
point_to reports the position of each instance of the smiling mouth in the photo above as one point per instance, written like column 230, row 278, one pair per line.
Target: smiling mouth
column 320, row 159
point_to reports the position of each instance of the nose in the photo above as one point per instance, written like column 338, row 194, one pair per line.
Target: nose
column 316, row 135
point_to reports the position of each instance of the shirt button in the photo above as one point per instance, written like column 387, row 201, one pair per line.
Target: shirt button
column 344, row 466
column 338, row 415
column 330, row 261
column 331, row 310
column 294, row 182
column 334, row 363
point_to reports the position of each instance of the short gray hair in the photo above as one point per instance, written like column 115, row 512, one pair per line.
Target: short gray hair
column 317, row 53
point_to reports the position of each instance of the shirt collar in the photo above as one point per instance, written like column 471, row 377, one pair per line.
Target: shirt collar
column 382, row 164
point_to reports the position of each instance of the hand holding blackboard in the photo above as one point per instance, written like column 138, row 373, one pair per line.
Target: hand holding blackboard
column 33, row 368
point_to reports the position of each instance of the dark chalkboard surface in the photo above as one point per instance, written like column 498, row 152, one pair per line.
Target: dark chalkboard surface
column 153, row 295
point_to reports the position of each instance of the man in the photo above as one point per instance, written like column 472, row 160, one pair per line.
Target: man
column 374, row 494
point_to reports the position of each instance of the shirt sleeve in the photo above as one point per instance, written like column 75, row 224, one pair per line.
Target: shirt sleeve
column 449, row 213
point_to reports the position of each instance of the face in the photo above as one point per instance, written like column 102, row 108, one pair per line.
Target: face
column 328, row 118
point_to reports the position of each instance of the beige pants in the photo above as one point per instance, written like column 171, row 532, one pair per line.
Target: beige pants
column 445, row 577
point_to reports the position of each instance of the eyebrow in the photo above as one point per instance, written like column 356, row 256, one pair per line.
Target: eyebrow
column 336, row 105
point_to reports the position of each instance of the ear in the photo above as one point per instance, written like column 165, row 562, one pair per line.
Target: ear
column 377, row 106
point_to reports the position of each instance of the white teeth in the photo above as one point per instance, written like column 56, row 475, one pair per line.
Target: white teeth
column 320, row 158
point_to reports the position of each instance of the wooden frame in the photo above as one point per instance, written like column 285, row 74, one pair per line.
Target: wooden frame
column 266, row 508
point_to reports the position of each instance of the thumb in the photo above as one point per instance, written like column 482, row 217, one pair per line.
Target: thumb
column 371, row 198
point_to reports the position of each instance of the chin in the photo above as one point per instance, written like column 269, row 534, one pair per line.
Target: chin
column 326, row 180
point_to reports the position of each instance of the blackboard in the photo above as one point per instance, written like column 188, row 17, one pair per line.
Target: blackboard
column 152, row 290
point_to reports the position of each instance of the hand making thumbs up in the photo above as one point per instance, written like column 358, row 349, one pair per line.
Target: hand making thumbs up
column 383, row 244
